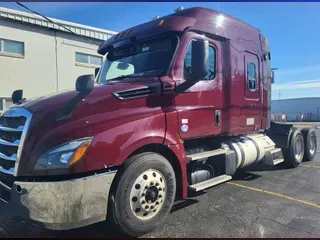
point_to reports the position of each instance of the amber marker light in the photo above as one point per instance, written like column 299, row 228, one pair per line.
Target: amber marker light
column 79, row 153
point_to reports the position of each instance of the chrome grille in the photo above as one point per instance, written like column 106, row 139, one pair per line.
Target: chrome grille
column 14, row 124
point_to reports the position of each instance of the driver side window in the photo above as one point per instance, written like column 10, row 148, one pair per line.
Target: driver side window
column 187, row 72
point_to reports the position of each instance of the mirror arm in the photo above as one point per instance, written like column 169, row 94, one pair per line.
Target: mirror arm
column 183, row 87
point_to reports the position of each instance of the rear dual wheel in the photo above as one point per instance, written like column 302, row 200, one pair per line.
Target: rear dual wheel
column 310, row 142
column 144, row 194
column 293, row 155
column 302, row 146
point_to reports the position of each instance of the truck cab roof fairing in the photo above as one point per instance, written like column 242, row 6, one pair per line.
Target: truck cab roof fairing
column 161, row 25
column 202, row 19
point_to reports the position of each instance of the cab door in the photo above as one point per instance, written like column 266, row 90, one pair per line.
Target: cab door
column 199, row 107
column 251, row 110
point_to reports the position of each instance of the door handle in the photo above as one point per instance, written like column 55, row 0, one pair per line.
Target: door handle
column 217, row 117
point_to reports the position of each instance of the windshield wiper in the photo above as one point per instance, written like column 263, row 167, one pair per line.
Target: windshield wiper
column 125, row 76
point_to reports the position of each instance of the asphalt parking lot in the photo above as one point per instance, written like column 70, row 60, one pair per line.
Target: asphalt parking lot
column 261, row 201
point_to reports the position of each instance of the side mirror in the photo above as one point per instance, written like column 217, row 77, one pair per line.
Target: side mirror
column 17, row 96
column 272, row 76
column 96, row 71
column 200, row 59
column 85, row 83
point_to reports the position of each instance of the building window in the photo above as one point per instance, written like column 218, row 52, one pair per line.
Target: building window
column 252, row 77
column 88, row 59
column 11, row 47
column 187, row 72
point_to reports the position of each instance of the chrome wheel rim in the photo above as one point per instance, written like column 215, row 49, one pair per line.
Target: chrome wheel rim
column 313, row 142
column 147, row 194
column 298, row 149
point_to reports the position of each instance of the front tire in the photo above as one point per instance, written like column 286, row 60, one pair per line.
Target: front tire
column 144, row 194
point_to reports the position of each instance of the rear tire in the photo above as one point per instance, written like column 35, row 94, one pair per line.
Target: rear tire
column 143, row 195
column 293, row 155
column 310, row 143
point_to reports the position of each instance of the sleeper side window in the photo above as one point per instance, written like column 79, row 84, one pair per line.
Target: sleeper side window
column 252, row 77
column 187, row 72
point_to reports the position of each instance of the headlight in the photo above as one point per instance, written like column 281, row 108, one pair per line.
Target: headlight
column 64, row 155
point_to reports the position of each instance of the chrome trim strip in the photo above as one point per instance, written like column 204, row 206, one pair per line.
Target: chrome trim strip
column 7, row 129
column 10, row 171
column 12, row 158
column 1, row 199
column 19, row 112
column 74, row 179
column 14, row 144
column 5, row 186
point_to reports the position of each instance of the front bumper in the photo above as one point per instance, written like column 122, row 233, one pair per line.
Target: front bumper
column 60, row 205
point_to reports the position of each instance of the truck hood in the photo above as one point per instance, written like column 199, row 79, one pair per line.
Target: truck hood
column 103, row 98
column 108, row 113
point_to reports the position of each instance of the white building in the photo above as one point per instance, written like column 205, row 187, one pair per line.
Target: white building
column 40, row 57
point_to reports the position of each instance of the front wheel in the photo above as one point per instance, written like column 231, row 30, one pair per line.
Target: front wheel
column 144, row 194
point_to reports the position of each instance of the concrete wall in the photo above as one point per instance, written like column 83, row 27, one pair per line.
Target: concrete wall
column 48, row 64
column 68, row 69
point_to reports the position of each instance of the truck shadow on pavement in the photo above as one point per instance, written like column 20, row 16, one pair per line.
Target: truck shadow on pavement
column 251, row 173
column 105, row 229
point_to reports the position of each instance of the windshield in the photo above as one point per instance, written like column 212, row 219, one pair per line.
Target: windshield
column 150, row 57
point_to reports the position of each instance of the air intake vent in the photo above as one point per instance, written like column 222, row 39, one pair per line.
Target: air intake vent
column 135, row 93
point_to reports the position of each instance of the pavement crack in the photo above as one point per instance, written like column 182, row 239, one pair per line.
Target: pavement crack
column 310, row 190
column 293, row 228
column 231, row 222
column 257, row 207
column 4, row 229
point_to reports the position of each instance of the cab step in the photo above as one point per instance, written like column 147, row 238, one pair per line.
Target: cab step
column 278, row 161
column 274, row 157
column 209, row 183
column 206, row 154
column 276, row 150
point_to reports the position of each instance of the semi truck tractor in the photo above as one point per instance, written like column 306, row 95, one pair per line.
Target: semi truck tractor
column 179, row 105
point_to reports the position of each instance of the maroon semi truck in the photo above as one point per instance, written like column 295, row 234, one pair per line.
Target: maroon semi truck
column 180, row 104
